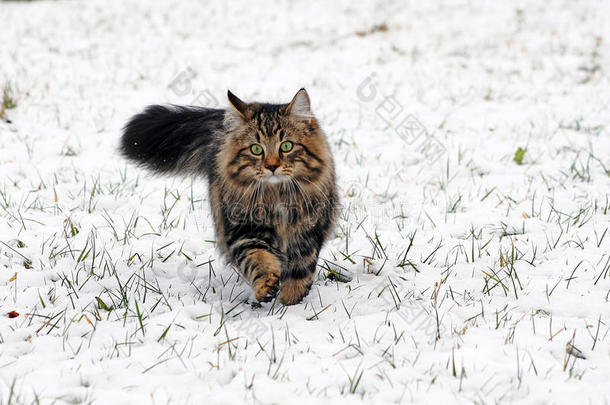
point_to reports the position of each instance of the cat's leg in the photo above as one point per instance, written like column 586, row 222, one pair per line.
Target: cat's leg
column 261, row 266
column 294, row 289
column 302, row 256
column 298, row 275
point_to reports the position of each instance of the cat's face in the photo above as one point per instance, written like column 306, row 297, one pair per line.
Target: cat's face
column 276, row 144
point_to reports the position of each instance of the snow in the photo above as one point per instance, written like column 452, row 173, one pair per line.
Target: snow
column 122, row 297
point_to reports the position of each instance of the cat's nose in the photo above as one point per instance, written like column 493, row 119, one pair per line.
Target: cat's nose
column 272, row 167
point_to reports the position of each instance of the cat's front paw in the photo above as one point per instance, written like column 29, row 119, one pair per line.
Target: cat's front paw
column 293, row 290
column 266, row 286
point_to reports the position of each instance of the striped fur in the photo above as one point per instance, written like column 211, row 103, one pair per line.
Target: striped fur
column 273, row 210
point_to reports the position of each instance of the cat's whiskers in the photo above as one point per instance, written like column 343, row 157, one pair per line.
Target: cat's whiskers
column 297, row 192
column 254, row 197
column 234, row 193
column 292, row 192
column 321, row 192
column 304, row 195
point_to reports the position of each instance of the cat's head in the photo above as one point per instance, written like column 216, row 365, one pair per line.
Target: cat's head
column 275, row 143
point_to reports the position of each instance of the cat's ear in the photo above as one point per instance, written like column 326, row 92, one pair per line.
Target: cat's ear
column 241, row 107
column 300, row 106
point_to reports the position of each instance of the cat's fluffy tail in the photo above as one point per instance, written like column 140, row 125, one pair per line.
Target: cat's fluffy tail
column 172, row 139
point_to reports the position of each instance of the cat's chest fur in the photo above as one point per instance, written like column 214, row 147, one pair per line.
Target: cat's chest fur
column 288, row 214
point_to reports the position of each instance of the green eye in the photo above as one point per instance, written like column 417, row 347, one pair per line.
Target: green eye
column 256, row 149
column 286, row 146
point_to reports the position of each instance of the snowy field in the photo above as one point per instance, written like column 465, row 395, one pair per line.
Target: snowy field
column 471, row 261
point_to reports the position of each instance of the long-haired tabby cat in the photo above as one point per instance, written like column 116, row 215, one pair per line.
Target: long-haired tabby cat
column 271, row 182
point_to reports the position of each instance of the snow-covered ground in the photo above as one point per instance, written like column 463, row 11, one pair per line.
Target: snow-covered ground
column 475, row 278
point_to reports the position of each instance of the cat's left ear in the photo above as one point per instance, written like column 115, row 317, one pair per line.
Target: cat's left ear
column 241, row 107
column 300, row 106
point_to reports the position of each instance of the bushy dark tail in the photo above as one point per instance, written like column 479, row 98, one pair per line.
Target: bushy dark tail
column 172, row 139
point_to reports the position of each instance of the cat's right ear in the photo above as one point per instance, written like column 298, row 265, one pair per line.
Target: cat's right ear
column 241, row 107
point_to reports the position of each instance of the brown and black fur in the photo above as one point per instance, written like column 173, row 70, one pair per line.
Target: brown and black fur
column 272, row 211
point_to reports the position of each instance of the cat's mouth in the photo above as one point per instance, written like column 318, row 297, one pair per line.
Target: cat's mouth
column 274, row 178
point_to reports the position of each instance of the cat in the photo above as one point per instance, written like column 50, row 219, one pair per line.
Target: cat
column 271, row 182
